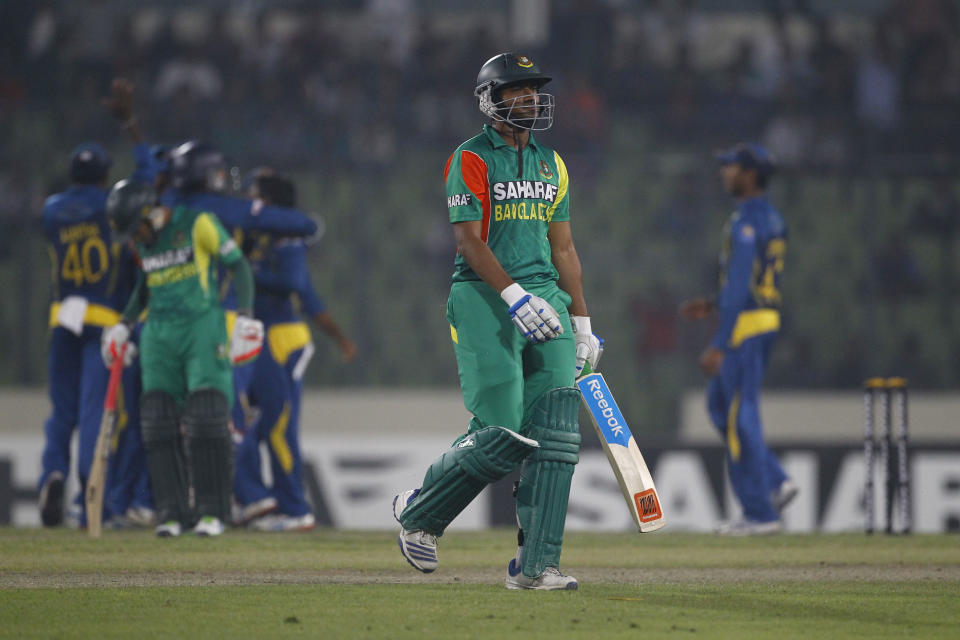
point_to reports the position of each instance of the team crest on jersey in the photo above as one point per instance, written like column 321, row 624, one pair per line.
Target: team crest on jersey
column 459, row 200
column 179, row 238
column 524, row 61
column 747, row 232
column 545, row 170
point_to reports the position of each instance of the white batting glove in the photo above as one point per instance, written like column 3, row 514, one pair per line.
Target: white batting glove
column 534, row 317
column 246, row 341
column 111, row 344
column 589, row 346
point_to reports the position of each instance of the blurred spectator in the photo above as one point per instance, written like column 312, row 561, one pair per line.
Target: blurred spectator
column 878, row 85
column 833, row 66
column 191, row 75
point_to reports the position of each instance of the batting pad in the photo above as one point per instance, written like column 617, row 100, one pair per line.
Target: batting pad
column 545, row 478
column 206, row 416
column 460, row 474
column 160, row 425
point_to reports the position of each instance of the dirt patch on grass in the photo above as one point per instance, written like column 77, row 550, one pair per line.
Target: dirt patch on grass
column 820, row 573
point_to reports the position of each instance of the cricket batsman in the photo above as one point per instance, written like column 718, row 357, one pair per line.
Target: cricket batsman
column 520, row 330
column 751, row 264
column 185, row 355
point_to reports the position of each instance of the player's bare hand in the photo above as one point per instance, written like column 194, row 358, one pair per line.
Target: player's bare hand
column 697, row 309
column 348, row 350
column 711, row 360
column 120, row 101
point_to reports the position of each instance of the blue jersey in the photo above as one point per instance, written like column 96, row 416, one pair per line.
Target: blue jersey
column 282, row 280
column 751, row 265
column 243, row 214
column 80, row 244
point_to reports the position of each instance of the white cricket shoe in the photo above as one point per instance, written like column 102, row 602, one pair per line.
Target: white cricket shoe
column 169, row 529
column 418, row 547
column 283, row 522
column 257, row 509
column 784, row 494
column 749, row 528
column 209, row 526
column 401, row 500
column 550, row 580
column 139, row 516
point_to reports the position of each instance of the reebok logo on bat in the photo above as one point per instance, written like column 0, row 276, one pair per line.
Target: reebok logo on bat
column 605, row 409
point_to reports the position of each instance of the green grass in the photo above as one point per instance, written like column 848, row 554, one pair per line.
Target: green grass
column 336, row 584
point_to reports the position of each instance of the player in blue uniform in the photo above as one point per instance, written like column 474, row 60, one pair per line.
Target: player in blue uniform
column 282, row 285
column 751, row 264
column 88, row 286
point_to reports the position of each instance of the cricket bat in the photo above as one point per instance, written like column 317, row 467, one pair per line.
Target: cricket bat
column 622, row 451
column 97, row 480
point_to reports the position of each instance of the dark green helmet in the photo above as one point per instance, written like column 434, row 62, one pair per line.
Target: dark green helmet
column 508, row 69
column 128, row 202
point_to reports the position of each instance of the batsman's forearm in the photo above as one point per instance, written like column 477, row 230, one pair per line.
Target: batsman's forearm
column 243, row 285
column 571, row 279
column 481, row 259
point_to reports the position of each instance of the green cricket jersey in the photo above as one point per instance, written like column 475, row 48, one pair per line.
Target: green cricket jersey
column 515, row 210
column 180, row 267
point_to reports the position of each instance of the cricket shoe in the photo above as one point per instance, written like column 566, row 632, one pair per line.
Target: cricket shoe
column 256, row 509
column 209, row 526
column 750, row 528
column 418, row 547
column 51, row 500
column 784, row 494
column 169, row 529
column 550, row 580
column 140, row 516
column 283, row 522
column 401, row 500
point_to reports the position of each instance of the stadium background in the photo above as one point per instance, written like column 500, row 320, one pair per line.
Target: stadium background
column 363, row 102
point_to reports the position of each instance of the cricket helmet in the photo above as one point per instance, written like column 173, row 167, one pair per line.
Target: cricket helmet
column 197, row 166
column 89, row 163
column 511, row 69
column 129, row 202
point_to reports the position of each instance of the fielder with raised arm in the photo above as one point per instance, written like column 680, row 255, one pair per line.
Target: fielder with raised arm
column 520, row 331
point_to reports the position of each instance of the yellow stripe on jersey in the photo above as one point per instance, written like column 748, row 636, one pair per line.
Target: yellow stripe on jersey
column 206, row 243
column 563, row 183
column 96, row 315
column 753, row 323
column 453, row 335
column 733, row 438
column 278, row 440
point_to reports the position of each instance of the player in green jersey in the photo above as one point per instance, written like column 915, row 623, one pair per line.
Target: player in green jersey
column 185, row 356
column 516, row 269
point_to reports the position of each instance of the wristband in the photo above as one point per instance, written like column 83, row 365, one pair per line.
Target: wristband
column 512, row 294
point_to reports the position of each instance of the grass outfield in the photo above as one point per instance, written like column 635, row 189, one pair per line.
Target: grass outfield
column 337, row 584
